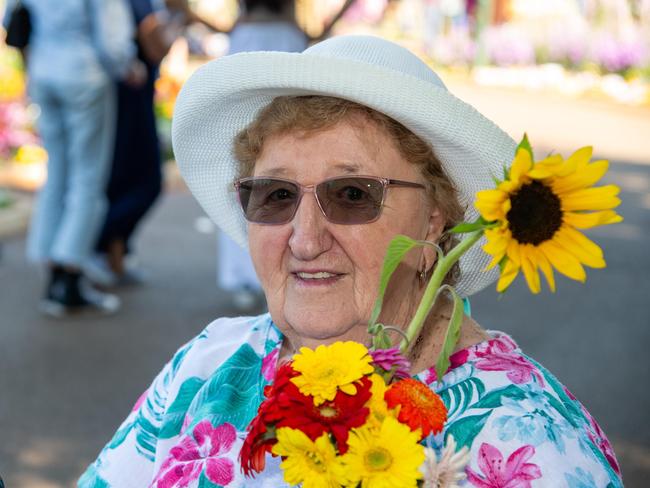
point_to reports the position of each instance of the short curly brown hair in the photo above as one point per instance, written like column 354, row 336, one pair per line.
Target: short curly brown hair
column 314, row 113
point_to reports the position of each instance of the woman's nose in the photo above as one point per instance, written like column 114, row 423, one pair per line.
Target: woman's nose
column 310, row 236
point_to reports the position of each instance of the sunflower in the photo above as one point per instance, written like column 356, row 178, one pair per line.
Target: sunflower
column 538, row 210
column 386, row 457
column 314, row 464
column 323, row 372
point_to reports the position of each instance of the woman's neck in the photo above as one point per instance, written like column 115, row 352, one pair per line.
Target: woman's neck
column 427, row 347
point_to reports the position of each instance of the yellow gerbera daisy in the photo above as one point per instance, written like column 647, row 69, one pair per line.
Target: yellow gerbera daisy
column 314, row 464
column 331, row 368
column 387, row 457
column 539, row 208
column 376, row 403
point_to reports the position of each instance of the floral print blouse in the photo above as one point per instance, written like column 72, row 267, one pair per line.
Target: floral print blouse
column 523, row 427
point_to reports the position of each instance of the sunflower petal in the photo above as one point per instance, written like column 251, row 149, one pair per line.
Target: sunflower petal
column 582, row 178
column 520, row 165
column 601, row 198
column 578, row 160
column 489, row 203
column 563, row 261
column 496, row 245
column 529, row 267
column 586, row 251
column 592, row 219
column 547, row 167
column 514, row 252
column 546, row 268
column 508, row 274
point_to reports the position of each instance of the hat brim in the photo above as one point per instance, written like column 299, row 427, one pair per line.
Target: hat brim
column 224, row 96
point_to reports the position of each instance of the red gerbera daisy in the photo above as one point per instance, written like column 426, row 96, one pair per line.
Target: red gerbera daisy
column 419, row 407
column 337, row 416
column 260, row 438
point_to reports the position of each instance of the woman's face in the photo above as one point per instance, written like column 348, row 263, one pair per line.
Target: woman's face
column 321, row 279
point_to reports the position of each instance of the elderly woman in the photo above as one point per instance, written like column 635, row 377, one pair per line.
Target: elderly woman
column 333, row 152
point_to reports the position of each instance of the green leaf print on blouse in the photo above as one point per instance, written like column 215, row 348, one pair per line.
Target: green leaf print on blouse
column 494, row 398
column 233, row 393
column 173, row 419
column 204, row 482
column 457, row 398
column 91, row 479
column 467, row 428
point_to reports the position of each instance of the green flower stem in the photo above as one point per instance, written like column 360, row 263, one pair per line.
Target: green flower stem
column 443, row 266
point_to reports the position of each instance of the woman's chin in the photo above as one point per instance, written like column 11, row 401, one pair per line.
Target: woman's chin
column 312, row 328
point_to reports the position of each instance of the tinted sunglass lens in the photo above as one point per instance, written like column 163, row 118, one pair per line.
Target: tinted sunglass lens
column 268, row 201
column 351, row 200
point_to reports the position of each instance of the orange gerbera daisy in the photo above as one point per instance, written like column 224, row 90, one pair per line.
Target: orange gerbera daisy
column 419, row 407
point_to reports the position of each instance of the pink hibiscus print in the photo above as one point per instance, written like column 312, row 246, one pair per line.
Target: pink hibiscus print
column 600, row 440
column 501, row 354
column 269, row 363
column 516, row 473
column 199, row 453
column 456, row 360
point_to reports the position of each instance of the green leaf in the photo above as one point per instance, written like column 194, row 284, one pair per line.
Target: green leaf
column 466, row 429
column 452, row 335
column 493, row 399
column 120, row 435
column 380, row 337
column 173, row 420
column 458, row 397
column 91, row 479
column 233, row 393
column 204, row 482
column 396, row 251
column 525, row 144
column 466, row 227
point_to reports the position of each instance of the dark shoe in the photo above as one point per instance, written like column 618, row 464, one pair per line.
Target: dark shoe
column 69, row 293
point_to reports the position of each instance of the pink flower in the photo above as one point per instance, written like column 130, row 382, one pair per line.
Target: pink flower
column 456, row 359
column 388, row 359
column 516, row 473
column 600, row 440
column 269, row 364
column 199, row 453
column 501, row 354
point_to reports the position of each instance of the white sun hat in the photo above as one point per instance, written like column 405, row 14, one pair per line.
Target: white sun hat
column 224, row 96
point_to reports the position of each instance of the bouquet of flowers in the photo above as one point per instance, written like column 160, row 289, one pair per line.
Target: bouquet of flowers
column 364, row 421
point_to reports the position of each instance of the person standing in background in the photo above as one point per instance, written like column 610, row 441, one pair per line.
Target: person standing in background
column 77, row 49
column 136, row 178
column 263, row 25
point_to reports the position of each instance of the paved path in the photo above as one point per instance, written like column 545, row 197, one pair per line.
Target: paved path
column 555, row 122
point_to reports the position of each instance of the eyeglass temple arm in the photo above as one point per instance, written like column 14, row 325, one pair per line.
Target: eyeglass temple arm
column 405, row 183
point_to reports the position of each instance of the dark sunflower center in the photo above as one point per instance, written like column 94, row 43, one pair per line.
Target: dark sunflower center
column 535, row 214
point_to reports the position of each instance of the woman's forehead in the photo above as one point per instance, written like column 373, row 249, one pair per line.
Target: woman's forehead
column 341, row 149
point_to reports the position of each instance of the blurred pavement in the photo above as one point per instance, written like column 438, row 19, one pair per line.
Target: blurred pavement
column 66, row 385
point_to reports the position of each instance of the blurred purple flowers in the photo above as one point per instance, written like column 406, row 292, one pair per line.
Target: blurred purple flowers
column 616, row 54
column 15, row 127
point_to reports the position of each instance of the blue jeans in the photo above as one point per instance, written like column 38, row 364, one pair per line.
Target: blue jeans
column 76, row 125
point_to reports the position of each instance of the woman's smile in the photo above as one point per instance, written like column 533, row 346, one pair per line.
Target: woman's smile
column 316, row 278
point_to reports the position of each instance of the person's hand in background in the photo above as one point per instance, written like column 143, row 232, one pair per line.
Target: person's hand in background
column 136, row 76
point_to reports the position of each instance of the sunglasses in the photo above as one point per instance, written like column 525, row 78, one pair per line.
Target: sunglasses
column 343, row 200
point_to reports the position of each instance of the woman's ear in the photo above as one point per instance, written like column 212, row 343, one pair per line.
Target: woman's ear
column 435, row 227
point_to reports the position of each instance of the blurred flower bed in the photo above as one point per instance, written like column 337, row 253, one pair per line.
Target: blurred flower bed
column 595, row 48
column 22, row 159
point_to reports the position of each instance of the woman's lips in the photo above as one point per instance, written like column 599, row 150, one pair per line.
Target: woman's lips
column 316, row 278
